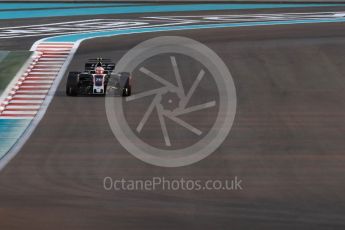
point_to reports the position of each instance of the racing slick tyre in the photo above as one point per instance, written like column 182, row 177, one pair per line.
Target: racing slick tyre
column 127, row 91
column 72, row 85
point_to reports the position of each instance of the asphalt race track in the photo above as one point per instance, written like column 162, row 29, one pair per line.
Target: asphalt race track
column 286, row 143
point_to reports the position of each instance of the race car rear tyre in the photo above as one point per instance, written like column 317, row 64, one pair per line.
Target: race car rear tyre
column 72, row 86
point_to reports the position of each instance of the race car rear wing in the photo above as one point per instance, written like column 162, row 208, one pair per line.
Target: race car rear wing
column 105, row 63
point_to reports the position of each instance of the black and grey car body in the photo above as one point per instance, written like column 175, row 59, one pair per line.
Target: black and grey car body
column 90, row 83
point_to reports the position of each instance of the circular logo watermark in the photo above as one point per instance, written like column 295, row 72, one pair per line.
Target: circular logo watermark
column 182, row 106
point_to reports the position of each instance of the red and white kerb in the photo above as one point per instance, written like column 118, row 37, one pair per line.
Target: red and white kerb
column 28, row 94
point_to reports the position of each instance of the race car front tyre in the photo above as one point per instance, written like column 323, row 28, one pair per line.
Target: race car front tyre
column 127, row 91
column 72, row 86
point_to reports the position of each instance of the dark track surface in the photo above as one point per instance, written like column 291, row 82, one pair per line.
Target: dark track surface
column 286, row 145
column 26, row 42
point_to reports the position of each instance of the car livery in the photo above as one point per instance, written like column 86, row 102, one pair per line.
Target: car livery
column 98, row 79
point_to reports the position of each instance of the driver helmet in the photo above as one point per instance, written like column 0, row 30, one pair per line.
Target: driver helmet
column 99, row 70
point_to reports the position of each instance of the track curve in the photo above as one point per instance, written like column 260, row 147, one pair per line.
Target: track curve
column 286, row 145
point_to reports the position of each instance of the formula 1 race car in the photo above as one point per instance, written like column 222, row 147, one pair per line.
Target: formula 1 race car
column 98, row 79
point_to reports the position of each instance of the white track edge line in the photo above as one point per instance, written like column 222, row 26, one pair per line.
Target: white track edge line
column 16, row 78
column 12, row 152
